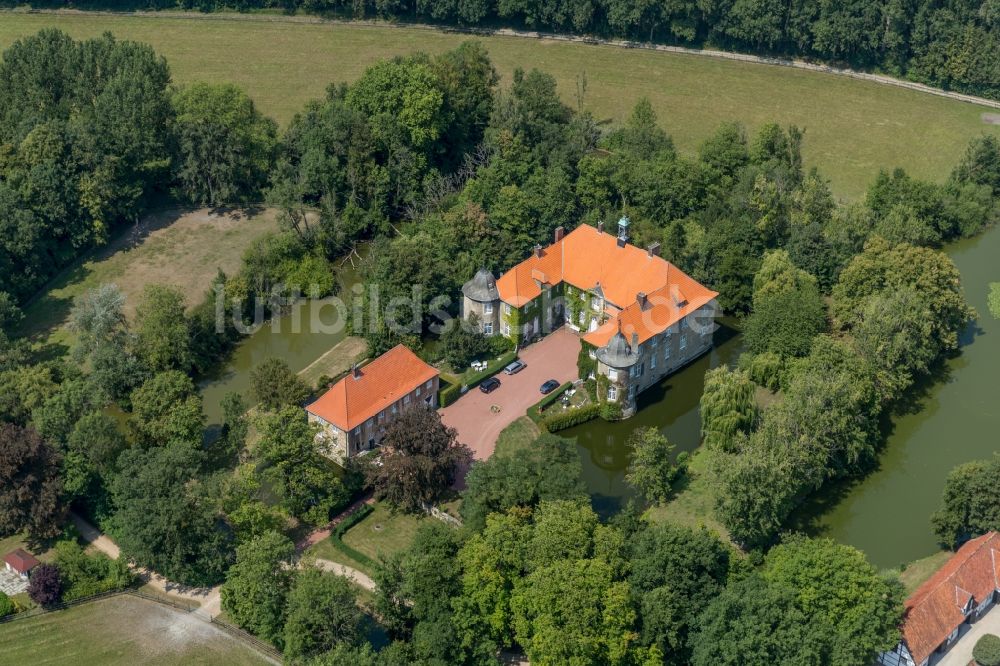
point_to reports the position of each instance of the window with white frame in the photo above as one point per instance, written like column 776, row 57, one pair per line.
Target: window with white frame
column 420, row 390
column 488, row 328
column 406, row 399
column 506, row 328
column 613, row 375
column 430, row 384
column 684, row 341
column 596, row 305
column 636, row 371
column 613, row 393
column 487, row 308
column 652, row 361
column 506, row 308
column 666, row 352
column 583, row 317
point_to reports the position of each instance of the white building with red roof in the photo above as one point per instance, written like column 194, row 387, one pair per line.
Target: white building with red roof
column 958, row 594
column 354, row 412
column 641, row 316
column 20, row 562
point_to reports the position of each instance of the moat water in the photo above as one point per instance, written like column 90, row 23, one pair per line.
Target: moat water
column 886, row 514
column 955, row 419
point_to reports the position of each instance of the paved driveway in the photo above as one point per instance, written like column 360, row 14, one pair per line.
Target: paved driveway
column 554, row 357
column 960, row 653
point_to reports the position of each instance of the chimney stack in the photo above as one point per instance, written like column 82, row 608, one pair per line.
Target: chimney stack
column 635, row 342
column 641, row 299
column 538, row 250
column 560, row 232
column 600, row 226
column 654, row 250
column 356, row 371
column 621, row 242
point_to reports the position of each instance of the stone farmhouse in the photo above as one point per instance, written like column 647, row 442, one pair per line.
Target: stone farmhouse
column 943, row 608
column 354, row 413
column 639, row 316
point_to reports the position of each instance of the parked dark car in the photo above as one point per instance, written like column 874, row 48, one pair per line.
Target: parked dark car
column 549, row 386
column 515, row 367
column 489, row 385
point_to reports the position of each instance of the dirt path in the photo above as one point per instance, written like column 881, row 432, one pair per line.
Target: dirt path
column 579, row 39
column 208, row 599
column 350, row 573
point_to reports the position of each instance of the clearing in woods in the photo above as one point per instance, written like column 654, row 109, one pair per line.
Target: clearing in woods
column 853, row 128
column 180, row 248
column 121, row 630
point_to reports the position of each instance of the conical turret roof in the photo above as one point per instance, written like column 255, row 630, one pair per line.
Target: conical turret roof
column 618, row 353
column 482, row 288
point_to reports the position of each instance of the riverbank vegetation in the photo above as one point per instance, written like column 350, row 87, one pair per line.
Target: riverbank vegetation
column 445, row 171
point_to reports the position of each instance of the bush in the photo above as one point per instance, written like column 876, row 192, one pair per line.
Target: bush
column 987, row 650
column 535, row 411
column 338, row 535
column 453, row 392
column 45, row 585
column 7, row 606
column 570, row 418
column 611, row 411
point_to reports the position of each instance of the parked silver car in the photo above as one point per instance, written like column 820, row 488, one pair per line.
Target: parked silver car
column 515, row 367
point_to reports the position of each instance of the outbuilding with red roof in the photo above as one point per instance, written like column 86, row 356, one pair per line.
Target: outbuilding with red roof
column 958, row 594
column 20, row 562
column 354, row 412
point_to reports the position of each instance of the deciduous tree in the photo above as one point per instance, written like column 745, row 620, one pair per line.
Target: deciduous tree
column 421, row 458
column 30, row 484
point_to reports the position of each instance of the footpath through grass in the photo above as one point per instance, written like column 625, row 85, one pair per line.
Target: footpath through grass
column 121, row 630
column 853, row 127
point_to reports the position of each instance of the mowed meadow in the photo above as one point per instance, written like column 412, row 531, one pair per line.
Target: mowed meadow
column 853, row 128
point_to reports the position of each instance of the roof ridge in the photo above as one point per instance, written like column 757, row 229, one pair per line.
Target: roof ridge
column 923, row 594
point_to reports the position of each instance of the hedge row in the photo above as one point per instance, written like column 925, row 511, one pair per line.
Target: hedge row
column 570, row 418
column 535, row 411
column 453, row 392
column 338, row 535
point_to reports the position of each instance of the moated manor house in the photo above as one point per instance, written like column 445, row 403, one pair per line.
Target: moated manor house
column 641, row 316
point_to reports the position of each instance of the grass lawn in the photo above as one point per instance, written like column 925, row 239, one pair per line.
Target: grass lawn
column 382, row 533
column 325, row 550
column 516, row 437
column 694, row 503
column 124, row 631
column 183, row 249
column 853, row 128
column 918, row 571
column 337, row 361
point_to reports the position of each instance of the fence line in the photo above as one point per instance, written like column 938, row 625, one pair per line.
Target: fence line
column 247, row 637
column 234, row 631
column 537, row 34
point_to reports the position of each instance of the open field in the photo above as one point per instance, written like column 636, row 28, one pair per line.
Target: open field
column 120, row 630
column 853, row 128
column 183, row 249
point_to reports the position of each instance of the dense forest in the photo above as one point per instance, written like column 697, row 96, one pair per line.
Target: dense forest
column 953, row 45
column 443, row 170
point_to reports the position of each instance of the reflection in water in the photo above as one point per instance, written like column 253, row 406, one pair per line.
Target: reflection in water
column 671, row 406
column 952, row 420
column 289, row 336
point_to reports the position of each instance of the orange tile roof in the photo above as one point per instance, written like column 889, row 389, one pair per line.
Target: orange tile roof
column 353, row 400
column 587, row 258
column 935, row 609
